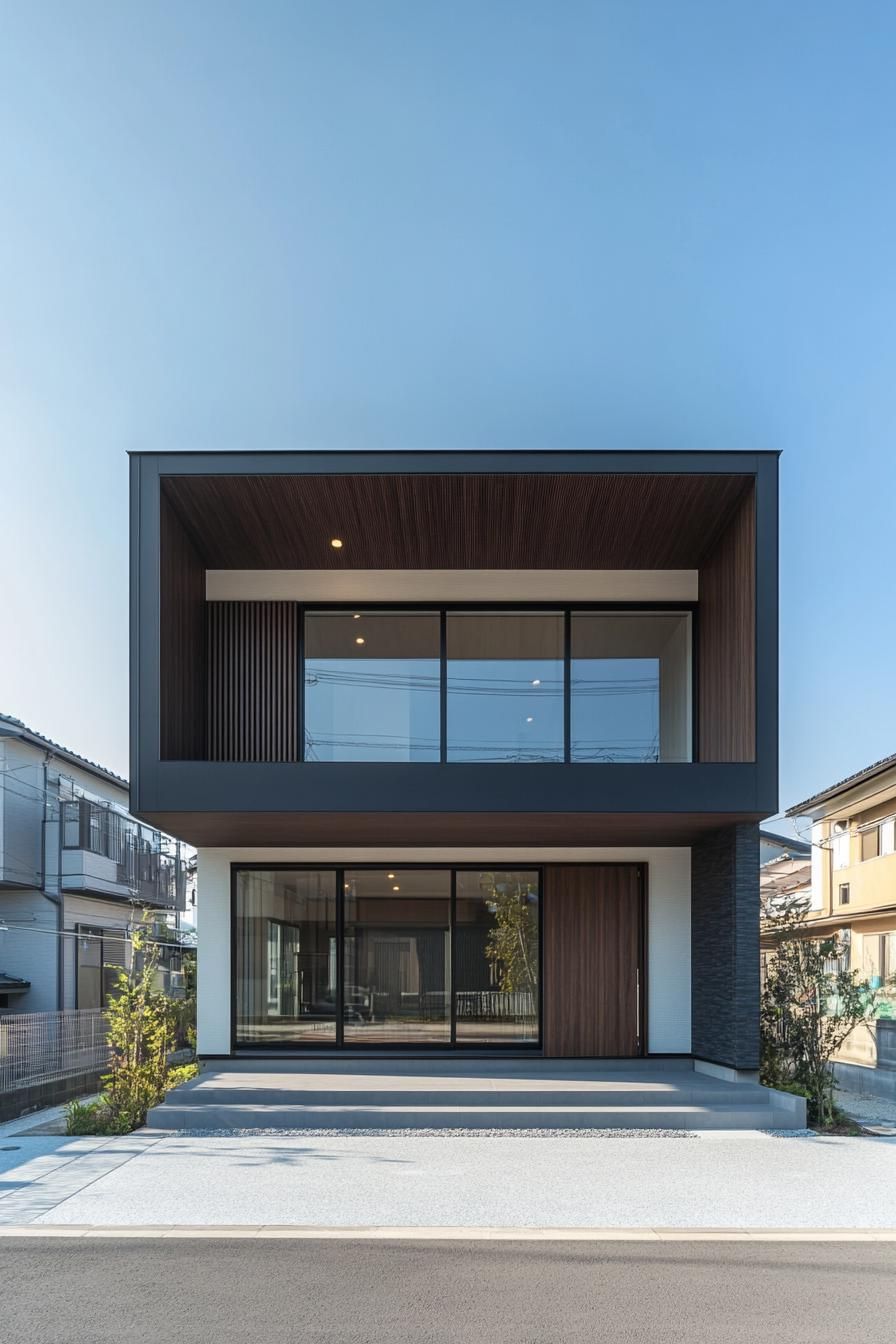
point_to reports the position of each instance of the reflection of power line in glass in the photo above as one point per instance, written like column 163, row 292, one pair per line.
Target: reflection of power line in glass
column 633, row 749
column 480, row 685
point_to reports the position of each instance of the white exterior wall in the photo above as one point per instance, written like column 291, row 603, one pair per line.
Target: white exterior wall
column 668, row 924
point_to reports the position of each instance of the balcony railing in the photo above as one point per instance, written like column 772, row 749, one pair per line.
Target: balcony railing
column 107, row 852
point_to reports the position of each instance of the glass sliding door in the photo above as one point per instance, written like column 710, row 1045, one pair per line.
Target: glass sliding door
column 496, row 958
column 630, row 681
column 372, row 686
column 418, row 957
column 505, row 686
column 397, row 957
column 286, row 955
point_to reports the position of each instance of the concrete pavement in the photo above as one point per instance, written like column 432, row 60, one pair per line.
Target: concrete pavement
column 726, row 1180
column 136, row 1291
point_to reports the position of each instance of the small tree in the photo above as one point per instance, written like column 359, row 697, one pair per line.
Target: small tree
column 810, row 1004
column 142, row 1030
column 512, row 944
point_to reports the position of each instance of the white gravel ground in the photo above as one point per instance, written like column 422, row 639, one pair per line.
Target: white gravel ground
column 710, row 1180
column 867, row 1108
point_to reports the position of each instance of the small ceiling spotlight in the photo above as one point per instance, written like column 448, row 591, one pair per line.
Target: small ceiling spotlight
column 396, row 888
column 336, row 544
column 360, row 639
column 530, row 719
column 537, row 681
column 357, row 616
column 391, row 877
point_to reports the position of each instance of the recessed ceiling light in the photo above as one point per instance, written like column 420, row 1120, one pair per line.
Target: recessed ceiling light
column 537, row 681
column 396, row 888
column 360, row 639
column 391, row 877
column 529, row 719
column 357, row 616
column 336, row 544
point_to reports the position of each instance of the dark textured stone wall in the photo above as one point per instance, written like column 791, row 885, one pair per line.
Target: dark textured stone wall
column 725, row 947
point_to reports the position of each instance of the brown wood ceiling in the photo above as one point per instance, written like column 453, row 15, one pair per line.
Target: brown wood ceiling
column 403, row 829
column 530, row 521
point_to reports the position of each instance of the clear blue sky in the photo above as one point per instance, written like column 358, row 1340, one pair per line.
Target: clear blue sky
column 489, row 224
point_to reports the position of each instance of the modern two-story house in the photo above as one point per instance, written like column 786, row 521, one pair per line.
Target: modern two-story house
column 473, row 745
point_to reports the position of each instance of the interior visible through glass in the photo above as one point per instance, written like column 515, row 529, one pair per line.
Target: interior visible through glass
column 397, row 957
column 505, row 686
column 400, row 940
column 496, row 955
column 372, row 686
column 630, row 685
column 285, row 945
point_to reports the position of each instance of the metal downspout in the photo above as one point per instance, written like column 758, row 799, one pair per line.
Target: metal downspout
column 54, row 899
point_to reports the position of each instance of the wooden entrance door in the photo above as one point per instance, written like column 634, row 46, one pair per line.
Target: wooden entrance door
column 592, row 952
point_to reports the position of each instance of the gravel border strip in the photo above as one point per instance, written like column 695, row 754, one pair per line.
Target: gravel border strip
column 428, row 1133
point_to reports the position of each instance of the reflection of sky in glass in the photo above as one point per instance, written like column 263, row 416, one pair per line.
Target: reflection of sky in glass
column 615, row 713
column 372, row 709
column 505, row 710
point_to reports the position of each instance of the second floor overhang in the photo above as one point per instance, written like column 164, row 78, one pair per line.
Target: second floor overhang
column 245, row 568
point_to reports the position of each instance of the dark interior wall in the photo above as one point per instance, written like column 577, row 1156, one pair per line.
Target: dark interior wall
column 725, row 947
column 726, row 672
column 182, row 658
column 253, row 681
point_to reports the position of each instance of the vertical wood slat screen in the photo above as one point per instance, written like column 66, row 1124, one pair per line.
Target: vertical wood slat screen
column 253, row 681
column 182, row 642
column 726, row 680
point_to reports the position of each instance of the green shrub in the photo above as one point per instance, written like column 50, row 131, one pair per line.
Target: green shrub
column 182, row 1073
column 811, row 1003
column 143, row 1028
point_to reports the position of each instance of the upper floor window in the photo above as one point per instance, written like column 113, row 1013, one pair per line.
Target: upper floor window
column 630, row 686
column 870, row 843
column 372, row 681
column 505, row 686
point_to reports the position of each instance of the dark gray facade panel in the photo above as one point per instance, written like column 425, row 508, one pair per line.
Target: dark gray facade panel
column 725, row 947
column 321, row 786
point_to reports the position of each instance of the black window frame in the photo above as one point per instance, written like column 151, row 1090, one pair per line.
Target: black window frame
column 399, row 1047
column 563, row 609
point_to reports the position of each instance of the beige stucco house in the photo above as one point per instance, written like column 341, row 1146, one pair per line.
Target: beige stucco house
column 852, row 827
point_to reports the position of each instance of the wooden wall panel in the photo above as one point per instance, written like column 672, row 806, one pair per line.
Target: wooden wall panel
column 253, row 681
column 727, row 642
column 182, row 675
column 592, row 950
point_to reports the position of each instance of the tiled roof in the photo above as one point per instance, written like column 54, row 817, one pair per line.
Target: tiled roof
column 16, row 728
column 878, row 768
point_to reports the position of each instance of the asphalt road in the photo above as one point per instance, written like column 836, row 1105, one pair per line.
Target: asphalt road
column 130, row 1291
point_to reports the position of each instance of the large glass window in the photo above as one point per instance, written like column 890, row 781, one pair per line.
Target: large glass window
column 496, row 952
column 372, row 686
column 630, row 683
column 285, row 973
column 397, row 957
column 411, row 938
column 505, row 686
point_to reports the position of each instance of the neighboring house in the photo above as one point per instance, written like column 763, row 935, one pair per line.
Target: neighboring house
column 785, row 870
column 853, row 833
column 76, row 872
column 473, row 746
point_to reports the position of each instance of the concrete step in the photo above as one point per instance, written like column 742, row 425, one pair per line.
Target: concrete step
column 748, row 1114
column 639, row 1095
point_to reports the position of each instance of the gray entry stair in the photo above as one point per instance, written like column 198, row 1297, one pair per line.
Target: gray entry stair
column 477, row 1094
